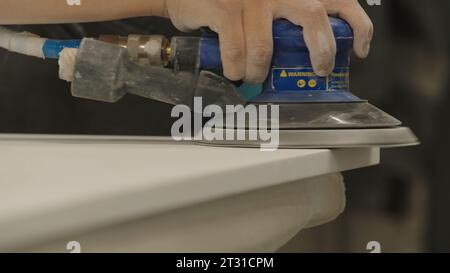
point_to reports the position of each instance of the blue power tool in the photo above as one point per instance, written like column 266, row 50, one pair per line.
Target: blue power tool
column 314, row 112
column 291, row 78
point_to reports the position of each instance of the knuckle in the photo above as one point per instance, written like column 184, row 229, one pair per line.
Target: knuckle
column 325, row 52
column 332, row 50
column 228, row 6
column 324, row 58
column 316, row 8
column 223, row 3
column 369, row 30
column 365, row 31
column 233, row 53
column 326, row 55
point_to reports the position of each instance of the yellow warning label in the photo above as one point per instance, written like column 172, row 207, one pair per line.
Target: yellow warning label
column 304, row 79
column 301, row 74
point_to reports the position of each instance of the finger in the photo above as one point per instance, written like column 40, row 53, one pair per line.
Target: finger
column 352, row 12
column 318, row 35
column 258, row 34
column 232, row 44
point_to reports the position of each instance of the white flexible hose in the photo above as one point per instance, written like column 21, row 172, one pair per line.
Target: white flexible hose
column 24, row 42
column 30, row 44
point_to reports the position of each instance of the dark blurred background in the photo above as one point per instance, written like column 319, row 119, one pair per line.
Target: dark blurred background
column 404, row 203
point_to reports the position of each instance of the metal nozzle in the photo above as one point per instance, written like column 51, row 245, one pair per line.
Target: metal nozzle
column 144, row 49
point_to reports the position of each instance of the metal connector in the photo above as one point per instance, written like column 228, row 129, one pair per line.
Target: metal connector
column 144, row 49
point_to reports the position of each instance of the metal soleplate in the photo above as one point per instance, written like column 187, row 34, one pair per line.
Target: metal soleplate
column 332, row 138
column 344, row 115
column 327, row 115
column 322, row 125
column 289, row 139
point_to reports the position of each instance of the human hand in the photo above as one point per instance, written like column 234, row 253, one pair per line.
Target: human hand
column 245, row 30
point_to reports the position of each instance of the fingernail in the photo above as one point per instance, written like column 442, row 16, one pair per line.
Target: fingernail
column 323, row 72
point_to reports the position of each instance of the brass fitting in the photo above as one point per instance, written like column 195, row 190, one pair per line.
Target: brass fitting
column 144, row 49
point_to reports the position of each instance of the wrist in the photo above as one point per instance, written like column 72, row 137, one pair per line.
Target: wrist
column 139, row 8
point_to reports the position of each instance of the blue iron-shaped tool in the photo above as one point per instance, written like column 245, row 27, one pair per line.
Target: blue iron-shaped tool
column 306, row 100
column 314, row 111
column 291, row 77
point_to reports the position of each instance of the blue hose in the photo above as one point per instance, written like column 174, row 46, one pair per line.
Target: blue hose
column 52, row 48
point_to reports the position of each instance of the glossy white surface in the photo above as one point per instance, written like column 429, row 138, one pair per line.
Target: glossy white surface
column 51, row 188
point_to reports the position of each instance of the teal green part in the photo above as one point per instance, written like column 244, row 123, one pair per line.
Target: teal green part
column 249, row 91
